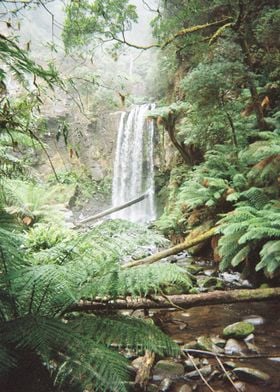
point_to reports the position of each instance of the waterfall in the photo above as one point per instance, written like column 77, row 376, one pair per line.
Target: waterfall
column 134, row 165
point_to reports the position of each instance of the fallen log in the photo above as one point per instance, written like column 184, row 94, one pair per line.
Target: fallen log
column 174, row 250
column 113, row 209
column 184, row 301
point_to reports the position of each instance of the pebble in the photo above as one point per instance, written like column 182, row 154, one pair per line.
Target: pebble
column 250, row 338
column 251, row 375
column 190, row 345
column 252, row 347
column 165, row 385
column 229, row 365
column 189, row 364
column 218, row 341
column 209, row 272
column 205, row 371
column 206, row 344
column 240, row 386
column 233, row 347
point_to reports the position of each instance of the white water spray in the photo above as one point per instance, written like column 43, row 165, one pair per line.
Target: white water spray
column 134, row 165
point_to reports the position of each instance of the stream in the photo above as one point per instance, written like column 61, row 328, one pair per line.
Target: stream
column 185, row 327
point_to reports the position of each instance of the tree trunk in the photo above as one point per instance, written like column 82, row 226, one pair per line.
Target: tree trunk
column 174, row 250
column 113, row 209
column 185, row 300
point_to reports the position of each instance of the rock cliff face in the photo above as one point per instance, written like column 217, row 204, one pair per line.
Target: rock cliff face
column 85, row 142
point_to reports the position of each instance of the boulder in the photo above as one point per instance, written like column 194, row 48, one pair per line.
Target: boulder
column 167, row 369
column 238, row 330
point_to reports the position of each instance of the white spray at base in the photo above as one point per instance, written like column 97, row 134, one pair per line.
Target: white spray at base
column 134, row 165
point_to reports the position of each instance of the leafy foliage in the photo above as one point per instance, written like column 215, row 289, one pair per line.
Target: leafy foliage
column 104, row 20
column 34, row 297
column 248, row 229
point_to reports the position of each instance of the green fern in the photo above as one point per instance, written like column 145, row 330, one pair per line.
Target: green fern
column 36, row 297
column 248, row 229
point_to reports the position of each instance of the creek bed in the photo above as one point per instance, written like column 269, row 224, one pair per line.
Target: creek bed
column 186, row 326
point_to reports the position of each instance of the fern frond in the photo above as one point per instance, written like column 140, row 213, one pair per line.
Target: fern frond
column 270, row 257
column 128, row 332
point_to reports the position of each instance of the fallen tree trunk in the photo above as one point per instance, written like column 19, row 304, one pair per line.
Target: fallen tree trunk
column 113, row 209
column 184, row 301
column 174, row 250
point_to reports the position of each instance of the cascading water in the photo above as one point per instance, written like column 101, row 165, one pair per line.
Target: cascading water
column 134, row 165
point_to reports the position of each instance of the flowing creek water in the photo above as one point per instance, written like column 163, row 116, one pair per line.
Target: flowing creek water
column 186, row 326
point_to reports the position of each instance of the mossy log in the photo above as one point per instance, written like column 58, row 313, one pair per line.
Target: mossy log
column 174, row 250
column 183, row 301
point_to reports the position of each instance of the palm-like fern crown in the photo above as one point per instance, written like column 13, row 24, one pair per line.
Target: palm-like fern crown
column 34, row 295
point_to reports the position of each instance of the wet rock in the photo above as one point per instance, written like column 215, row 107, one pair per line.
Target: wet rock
column 194, row 269
column 276, row 359
column 211, row 281
column 167, row 368
column 165, row 385
column 205, row 343
column 152, row 388
column 209, row 272
column 190, row 345
column 185, row 388
column 254, row 319
column 229, row 365
column 178, row 341
column 233, row 347
column 252, row 347
column 246, row 284
column 205, row 371
column 238, row 330
column 240, row 386
column 250, row 338
column 189, row 364
column 231, row 277
column 214, row 374
column 218, row 341
column 251, row 375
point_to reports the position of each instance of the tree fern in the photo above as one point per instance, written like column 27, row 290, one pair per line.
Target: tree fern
column 35, row 296
column 248, row 229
